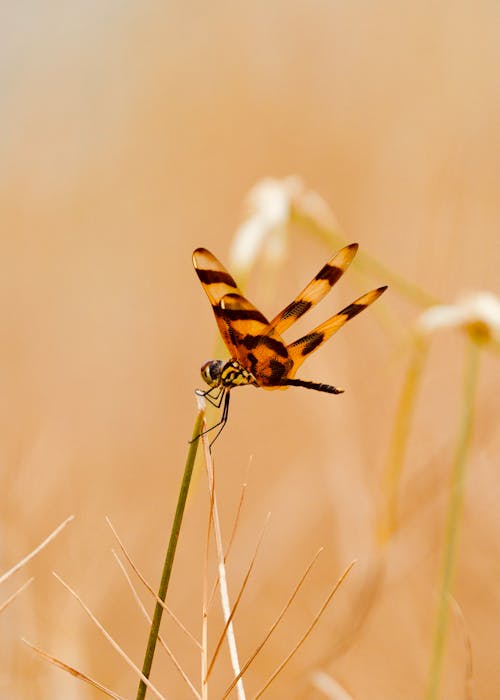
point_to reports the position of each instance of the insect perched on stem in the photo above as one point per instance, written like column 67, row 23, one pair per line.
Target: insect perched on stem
column 258, row 354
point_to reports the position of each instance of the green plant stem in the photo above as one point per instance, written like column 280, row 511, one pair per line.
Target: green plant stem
column 453, row 520
column 169, row 558
column 367, row 262
column 387, row 524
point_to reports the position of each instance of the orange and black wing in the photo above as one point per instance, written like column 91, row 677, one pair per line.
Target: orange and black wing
column 214, row 277
column 248, row 335
column 257, row 347
column 217, row 282
column 303, row 347
column 243, row 327
column 316, row 290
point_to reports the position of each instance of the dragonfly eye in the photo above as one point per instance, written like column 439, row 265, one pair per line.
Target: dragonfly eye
column 211, row 372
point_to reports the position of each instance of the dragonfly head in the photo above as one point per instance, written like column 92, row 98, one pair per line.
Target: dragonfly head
column 211, row 372
column 226, row 373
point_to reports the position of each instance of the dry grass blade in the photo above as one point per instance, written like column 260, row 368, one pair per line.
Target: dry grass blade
column 238, row 598
column 454, row 517
column 231, row 539
column 204, row 623
column 148, row 618
column 329, row 686
column 366, row 599
column 238, row 514
column 35, row 551
column 388, row 519
column 12, row 597
column 74, row 672
column 275, row 623
column 307, row 632
column 224, row 593
column 469, row 668
column 149, row 588
column 110, row 639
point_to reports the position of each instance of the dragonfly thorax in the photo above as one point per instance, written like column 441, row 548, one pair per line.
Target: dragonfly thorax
column 226, row 373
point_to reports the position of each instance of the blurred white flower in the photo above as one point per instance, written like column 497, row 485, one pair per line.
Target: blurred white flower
column 329, row 686
column 478, row 314
column 270, row 205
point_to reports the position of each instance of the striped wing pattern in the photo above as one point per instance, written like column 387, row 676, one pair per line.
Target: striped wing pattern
column 257, row 344
column 301, row 348
column 217, row 282
column 316, row 290
column 259, row 349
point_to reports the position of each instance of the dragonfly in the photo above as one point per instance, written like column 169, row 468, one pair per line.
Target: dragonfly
column 258, row 354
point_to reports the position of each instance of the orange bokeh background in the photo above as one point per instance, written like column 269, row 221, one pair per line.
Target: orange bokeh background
column 131, row 133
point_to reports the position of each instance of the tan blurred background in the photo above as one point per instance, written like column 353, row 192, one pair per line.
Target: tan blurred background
column 130, row 133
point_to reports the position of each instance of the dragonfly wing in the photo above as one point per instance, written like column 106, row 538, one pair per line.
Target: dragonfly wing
column 316, row 290
column 303, row 347
column 214, row 277
column 257, row 348
column 217, row 282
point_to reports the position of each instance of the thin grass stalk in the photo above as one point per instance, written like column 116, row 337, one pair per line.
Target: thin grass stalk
column 224, row 593
column 107, row 636
column 453, row 520
column 276, row 622
column 73, row 671
column 468, row 666
column 366, row 262
column 169, row 558
column 37, row 549
column 237, row 516
column 148, row 618
column 393, row 470
column 16, row 594
column 306, row 633
column 204, row 630
column 237, row 601
column 231, row 537
column 149, row 588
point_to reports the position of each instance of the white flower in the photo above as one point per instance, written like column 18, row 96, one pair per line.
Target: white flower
column 329, row 686
column 477, row 313
column 270, row 204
